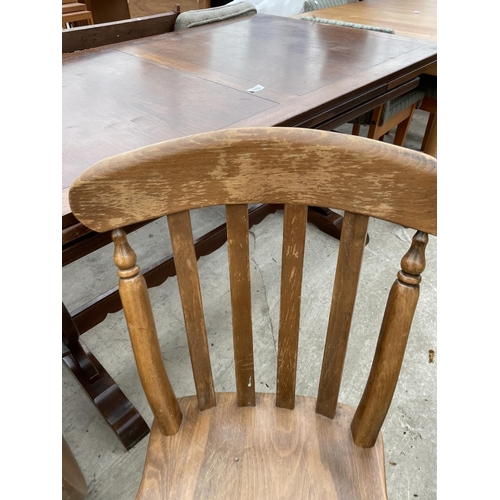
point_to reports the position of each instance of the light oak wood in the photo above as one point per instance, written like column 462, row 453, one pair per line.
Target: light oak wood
column 391, row 346
column 262, row 452
column 411, row 18
column 351, row 249
column 233, row 449
column 186, row 268
column 294, row 239
column 353, row 182
column 239, row 274
column 139, row 316
column 141, row 8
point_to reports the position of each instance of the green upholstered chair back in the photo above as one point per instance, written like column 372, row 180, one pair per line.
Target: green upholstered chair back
column 310, row 5
column 199, row 17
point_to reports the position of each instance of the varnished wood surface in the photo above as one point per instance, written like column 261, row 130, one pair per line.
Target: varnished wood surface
column 411, row 18
column 261, row 452
column 135, row 93
column 257, row 165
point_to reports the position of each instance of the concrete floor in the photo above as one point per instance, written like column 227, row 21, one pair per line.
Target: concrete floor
column 410, row 428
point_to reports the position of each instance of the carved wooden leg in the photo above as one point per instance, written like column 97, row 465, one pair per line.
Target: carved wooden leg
column 113, row 405
column 391, row 346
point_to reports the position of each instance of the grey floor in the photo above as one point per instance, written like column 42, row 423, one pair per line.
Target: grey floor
column 410, row 428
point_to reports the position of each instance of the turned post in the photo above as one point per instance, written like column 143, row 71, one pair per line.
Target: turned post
column 141, row 326
column 391, row 346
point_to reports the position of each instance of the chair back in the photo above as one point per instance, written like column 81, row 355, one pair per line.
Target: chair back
column 200, row 17
column 310, row 5
column 295, row 167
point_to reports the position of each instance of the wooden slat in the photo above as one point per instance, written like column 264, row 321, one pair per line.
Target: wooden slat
column 352, row 244
column 186, row 266
column 239, row 276
column 294, row 234
column 388, row 359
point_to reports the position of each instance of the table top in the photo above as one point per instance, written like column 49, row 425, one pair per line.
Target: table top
column 131, row 94
column 411, row 18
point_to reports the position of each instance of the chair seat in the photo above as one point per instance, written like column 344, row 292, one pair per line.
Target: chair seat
column 261, row 452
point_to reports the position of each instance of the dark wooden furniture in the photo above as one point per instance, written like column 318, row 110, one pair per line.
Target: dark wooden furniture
column 131, row 94
column 416, row 19
column 247, row 445
column 114, row 406
column 106, row 11
column 89, row 37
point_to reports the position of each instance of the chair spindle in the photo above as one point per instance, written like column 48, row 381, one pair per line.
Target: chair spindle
column 294, row 235
column 239, row 277
column 352, row 244
column 186, row 268
column 391, row 345
column 142, row 330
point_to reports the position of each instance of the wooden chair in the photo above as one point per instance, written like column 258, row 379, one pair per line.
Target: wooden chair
column 246, row 445
column 396, row 113
column 428, row 84
column 75, row 13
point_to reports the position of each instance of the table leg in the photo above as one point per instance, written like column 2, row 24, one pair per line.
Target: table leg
column 118, row 411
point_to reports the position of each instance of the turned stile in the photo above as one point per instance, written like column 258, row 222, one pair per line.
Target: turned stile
column 139, row 316
column 391, row 346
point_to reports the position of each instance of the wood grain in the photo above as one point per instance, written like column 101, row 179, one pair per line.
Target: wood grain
column 132, row 94
column 411, row 18
column 292, row 263
column 388, row 359
column 352, row 244
column 141, row 326
column 97, row 35
column 243, row 166
column 241, row 306
column 261, row 452
column 181, row 235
